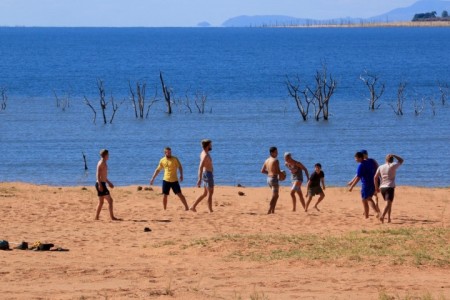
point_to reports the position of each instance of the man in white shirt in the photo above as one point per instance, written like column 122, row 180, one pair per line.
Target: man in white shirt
column 386, row 174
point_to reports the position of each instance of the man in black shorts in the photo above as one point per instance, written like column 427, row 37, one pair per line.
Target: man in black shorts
column 170, row 164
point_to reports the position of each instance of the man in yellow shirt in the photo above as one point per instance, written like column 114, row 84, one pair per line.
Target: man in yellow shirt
column 170, row 164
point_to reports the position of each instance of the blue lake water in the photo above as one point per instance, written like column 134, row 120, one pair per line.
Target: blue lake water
column 242, row 70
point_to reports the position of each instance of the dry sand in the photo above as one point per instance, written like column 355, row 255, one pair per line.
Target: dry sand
column 180, row 259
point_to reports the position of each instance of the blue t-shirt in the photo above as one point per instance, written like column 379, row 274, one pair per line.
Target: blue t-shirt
column 366, row 171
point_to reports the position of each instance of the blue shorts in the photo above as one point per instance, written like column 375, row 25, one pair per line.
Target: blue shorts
column 367, row 192
column 208, row 179
column 175, row 186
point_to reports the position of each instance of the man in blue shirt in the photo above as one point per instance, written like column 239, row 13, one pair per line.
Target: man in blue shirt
column 365, row 172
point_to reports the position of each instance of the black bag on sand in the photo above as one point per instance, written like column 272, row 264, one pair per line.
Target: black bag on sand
column 4, row 245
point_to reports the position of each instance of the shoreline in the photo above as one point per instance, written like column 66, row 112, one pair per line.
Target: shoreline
column 283, row 184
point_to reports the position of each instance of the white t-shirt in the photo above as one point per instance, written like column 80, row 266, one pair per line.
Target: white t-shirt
column 387, row 173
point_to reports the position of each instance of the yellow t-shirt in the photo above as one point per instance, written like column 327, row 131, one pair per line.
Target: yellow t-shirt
column 170, row 166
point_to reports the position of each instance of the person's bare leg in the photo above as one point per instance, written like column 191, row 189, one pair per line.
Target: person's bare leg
column 273, row 203
column 111, row 210
column 294, row 201
column 385, row 211
column 210, row 194
column 366, row 208
column 308, row 202
column 374, row 207
column 165, row 201
column 199, row 199
column 322, row 195
column 300, row 197
column 389, row 212
column 99, row 207
column 183, row 200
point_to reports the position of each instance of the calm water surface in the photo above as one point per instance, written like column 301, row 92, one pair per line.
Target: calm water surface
column 242, row 71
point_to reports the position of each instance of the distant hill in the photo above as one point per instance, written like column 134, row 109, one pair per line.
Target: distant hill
column 407, row 13
column 396, row 15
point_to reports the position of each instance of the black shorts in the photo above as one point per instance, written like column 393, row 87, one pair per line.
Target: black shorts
column 175, row 186
column 388, row 193
column 105, row 191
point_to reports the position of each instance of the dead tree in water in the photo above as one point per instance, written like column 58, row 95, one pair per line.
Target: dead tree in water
column 398, row 108
column 4, row 98
column 418, row 107
column 371, row 81
column 324, row 89
column 294, row 92
column 444, row 89
column 200, row 102
column 140, row 106
column 102, row 94
column 85, row 162
column 103, row 104
column 167, row 94
column 86, row 101
column 62, row 103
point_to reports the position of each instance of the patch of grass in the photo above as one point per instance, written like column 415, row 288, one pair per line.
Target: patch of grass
column 404, row 246
column 258, row 296
column 383, row 295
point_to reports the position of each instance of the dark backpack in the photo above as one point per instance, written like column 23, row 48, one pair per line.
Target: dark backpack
column 4, row 245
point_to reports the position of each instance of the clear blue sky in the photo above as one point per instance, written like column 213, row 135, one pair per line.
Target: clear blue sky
column 178, row 12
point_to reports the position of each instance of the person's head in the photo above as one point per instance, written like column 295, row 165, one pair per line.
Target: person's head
column 359, row 156
column 104, row 153
column 365, row 153
column 389, row 158
column 287, row 156
column 168, row 152
column 273, row 151
column 318, row 167
column 207, row 145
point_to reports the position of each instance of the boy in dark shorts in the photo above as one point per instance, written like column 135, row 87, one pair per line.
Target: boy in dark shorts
column 313, row 187
column 171, row 165
column 385, row 180
column 102, row 190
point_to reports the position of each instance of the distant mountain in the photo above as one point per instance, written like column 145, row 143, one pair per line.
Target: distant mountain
column 407, row 13
column 396, row 15
column 204, row 24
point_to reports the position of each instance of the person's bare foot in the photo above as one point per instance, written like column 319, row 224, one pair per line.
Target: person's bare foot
column 97, row 218
column 193, row 209
column 389, row 220
column 317, row 208
column 381, row 220
column 115, row 219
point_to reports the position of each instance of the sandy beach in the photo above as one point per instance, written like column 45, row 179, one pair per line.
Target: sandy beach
column 237, row 252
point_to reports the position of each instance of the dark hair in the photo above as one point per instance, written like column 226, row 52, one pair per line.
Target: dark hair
column 167, row 148
column 205, row 143
column 318, row 165
column 359, row 155
column 104, row 152
column 273, row 149
column 390, row 159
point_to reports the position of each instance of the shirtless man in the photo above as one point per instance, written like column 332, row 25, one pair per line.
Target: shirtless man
column 100, row 185
column 297, row 169
column 271, row 168
column 205, row 173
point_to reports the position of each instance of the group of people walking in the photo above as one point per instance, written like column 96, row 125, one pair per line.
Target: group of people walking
column 374, row 179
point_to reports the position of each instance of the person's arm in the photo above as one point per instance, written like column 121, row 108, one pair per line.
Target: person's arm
column 200, row 171
column 180, row 168
column 264, row 169
column 398, row 158
column 301, row 166
column 353, row 183
column 154, row 176
column 99, row 170
column 322, row 180
column 376, row 180
column 157, row 170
